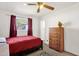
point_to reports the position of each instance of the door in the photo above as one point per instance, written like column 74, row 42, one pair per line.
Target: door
column 42, row 29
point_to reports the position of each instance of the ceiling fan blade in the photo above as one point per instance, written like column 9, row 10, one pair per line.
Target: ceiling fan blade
column 38, row 10
column 38, row 4
column 49, row 7
column 31, row 4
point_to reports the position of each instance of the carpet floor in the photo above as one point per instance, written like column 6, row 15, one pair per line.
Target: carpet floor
column 49, row 52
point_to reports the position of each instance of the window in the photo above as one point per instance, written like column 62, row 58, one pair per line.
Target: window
column 21, row 24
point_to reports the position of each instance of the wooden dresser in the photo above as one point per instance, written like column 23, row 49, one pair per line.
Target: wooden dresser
column 56, row 38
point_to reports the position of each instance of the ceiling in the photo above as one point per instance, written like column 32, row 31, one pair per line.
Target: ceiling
column 20, row 8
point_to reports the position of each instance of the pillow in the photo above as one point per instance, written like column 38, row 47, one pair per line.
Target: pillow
column 2, row 40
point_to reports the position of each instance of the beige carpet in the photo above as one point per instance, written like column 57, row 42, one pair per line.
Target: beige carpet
column 49, row 52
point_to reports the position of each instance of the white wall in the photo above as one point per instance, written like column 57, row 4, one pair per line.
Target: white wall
column 4, row 25
column 70, row 18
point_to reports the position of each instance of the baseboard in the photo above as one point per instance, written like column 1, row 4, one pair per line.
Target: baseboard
column 71, row 53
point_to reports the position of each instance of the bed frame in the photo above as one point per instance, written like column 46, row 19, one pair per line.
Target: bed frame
column 28, row 51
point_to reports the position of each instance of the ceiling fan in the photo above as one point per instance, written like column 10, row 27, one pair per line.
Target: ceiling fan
column 40, row 5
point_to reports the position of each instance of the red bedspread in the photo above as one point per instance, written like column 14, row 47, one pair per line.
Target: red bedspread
column 17, row 44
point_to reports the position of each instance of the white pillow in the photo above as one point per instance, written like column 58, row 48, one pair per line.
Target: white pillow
column 2, row 40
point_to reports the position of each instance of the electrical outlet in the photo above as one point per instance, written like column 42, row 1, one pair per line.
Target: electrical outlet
column 47, row 40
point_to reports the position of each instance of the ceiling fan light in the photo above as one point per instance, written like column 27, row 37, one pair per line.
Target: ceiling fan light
column 41, row 6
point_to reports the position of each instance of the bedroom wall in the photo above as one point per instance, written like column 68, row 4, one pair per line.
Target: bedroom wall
column 5, row 25
column 70, row 18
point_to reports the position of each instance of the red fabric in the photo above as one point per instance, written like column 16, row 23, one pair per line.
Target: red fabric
column 17, row 44
column 13, row 30
column 30, row 26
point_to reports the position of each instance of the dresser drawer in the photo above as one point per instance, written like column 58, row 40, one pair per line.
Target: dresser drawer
column 56, row 38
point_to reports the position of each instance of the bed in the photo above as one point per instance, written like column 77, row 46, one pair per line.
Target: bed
column 22, row 43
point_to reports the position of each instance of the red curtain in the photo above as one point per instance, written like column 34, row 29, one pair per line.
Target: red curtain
column 13, row 30
column 30, row 26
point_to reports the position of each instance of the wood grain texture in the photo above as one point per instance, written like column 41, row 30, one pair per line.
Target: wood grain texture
column 56, row 38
